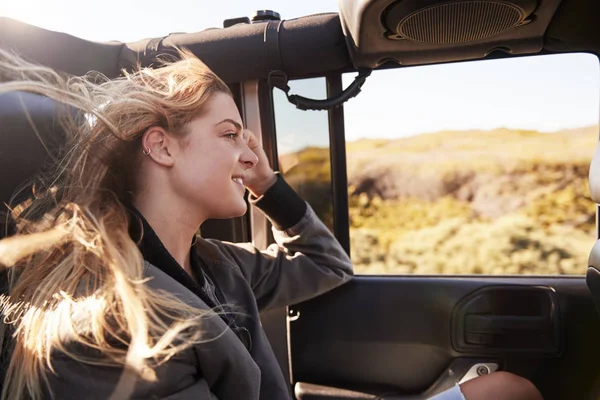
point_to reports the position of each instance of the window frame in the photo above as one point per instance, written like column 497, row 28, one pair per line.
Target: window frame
column 339, row 172
column 337, row 151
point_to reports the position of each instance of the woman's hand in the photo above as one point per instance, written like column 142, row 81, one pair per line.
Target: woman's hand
column 260, row 178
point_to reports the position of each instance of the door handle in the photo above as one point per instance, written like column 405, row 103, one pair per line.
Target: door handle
column 483, row 329
column 508, row 318
column 504, row 324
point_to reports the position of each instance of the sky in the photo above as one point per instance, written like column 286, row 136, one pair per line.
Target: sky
column 545, row 93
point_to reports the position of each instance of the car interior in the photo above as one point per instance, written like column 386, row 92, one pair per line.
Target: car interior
column 378, row 337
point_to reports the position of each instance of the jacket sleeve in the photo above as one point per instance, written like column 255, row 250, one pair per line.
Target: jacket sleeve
column 305, row 261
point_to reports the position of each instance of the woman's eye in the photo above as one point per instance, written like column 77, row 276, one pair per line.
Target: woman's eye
column 231, row 135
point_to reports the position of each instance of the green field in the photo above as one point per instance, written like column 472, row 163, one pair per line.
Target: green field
column 476, row 202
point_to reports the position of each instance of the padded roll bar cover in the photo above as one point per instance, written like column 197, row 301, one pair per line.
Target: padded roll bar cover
column 313, row 45
column 22, row 153
column 58, row 50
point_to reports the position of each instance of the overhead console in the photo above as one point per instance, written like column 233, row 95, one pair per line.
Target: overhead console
column 411, row 32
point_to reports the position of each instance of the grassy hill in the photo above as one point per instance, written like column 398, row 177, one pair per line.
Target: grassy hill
column 498, row 202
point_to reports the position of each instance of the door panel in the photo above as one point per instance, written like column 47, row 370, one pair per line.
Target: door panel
column 410, row 337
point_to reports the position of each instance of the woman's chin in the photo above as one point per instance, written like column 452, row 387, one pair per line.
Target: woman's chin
column 235, row 211
column 242, row 211
column 226, row 210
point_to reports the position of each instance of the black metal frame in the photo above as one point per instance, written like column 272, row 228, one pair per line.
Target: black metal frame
column 269, row 133
column 267, row 121
column 339, row 177
column 337, row 152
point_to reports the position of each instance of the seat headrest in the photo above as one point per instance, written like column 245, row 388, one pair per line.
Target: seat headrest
column 29, row 133
column 594, row 257
column 594, row 176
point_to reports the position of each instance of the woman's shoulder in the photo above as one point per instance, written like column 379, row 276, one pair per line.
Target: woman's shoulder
column 158, row 280
column 214, row 251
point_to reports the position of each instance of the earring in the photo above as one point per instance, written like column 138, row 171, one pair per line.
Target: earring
column 146, row 151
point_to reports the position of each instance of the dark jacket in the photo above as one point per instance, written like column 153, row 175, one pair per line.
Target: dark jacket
column 305, row 262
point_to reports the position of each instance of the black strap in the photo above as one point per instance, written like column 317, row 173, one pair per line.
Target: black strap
column 271, row 39
column 153, row 46
column 279, row 79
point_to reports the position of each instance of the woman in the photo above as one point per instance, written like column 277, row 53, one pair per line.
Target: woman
column 113, row 295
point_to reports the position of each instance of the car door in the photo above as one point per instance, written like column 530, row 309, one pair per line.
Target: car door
column 413, row 327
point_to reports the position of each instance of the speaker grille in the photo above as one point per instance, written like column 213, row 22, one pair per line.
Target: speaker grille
column 458, row 22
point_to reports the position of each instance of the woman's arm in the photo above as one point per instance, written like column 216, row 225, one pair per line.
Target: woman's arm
column 306, row 259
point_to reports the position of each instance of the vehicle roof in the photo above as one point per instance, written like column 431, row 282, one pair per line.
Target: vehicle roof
column 302, row 47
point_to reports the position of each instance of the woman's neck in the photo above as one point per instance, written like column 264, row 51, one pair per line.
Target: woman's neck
column 175, row 230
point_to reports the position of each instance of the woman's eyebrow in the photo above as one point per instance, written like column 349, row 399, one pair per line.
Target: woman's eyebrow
column 237, row 125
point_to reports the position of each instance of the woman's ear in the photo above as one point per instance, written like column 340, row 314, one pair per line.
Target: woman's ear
column 158, row 145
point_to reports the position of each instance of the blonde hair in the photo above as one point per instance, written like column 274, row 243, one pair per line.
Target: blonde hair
column 72, row 258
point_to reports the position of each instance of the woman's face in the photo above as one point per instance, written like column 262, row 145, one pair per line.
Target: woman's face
column 213, row 156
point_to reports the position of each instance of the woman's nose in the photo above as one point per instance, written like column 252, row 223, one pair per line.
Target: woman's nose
column 248, row 158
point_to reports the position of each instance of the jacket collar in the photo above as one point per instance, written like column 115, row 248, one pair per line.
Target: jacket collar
column 156, row 253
